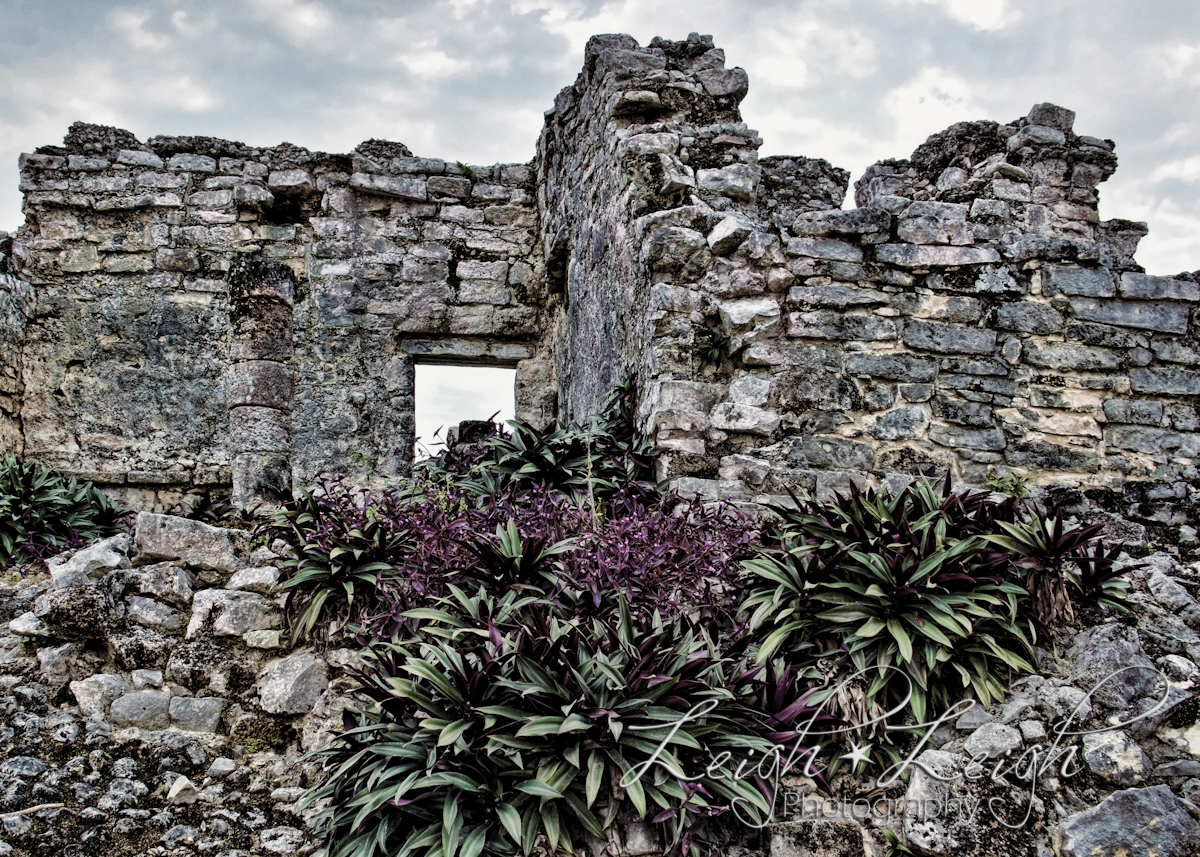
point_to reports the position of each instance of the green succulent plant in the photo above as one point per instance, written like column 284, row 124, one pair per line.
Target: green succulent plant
column 43, row 512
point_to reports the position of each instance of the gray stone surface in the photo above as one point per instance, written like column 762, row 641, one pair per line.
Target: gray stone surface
column 196, row 714
column 992, row 740
column 231, row 613
column 1133, row 821
column 193, row 543
column 94, row 694
column 1109, row 662
column 1116, row 758
column 293, row 684
column 145, row 709
column 90, row 562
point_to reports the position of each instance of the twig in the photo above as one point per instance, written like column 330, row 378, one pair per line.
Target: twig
column 30, row 810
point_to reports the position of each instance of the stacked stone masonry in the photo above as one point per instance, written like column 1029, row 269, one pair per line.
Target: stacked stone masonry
column 971, row 314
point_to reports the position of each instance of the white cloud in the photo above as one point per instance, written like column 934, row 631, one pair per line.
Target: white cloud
column 447, row 395
column 979, row 14
column 1180, row 62
column 803, row 50
column 430, row 62
column 1186, row 170
column 303, row 22
column 130, row 23
column 932, row 100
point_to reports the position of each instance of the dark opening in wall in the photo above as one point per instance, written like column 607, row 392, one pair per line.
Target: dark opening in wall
column 447, row 395
column 283, row 212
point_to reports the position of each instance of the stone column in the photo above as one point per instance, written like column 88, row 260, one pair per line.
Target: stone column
column 259, row 381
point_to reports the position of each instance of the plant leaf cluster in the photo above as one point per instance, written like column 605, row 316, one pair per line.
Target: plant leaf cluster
column 43, row 512
column 927, row 593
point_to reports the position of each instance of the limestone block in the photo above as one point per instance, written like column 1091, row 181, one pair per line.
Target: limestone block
column 145, row 709
column 292, row 685
column 1133, row 821
column 232, row 613
column 837, row 296
column 900, row 424
column 1029, row 317
column 259, row 429
column 1066, row 356
column 750, row 390
column 1144, row 287
column 992, row 740
column 855, row 221
column 729, row 234
column 165, row 582
column 821, row 452
column 261, row 579
column 934, row 256
column 957, row 437
column 1110, row 661
column 143, row 679
column 152, row 614
column 196, row 714
column 948, row 338
column 80, row 612
column 93, row 695
column 287, row 180
column 1167, row 380
column 185, row 162
column 724, row 82
column 135, row 158
column 281, row 840
column 192, row 543
column 90, row 562
column 736, row 181
column 259, row 382
column 829, row 324
column 824, row 248
column 891, row 366
column 733, row 417
column 1071, row 280
column 1116, row 758
column 253, row 194
column 1161, row 317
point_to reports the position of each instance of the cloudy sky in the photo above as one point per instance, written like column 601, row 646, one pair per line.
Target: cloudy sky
column 852, row 81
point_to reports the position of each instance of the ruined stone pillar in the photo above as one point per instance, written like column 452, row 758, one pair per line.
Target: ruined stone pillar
column 259, row 381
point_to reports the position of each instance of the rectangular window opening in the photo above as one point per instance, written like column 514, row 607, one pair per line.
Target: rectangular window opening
column 447, row 395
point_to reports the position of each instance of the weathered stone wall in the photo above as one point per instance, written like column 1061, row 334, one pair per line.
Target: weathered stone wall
column 16, row 304
column 148, row 701
column 128, row 246
column 973, row 313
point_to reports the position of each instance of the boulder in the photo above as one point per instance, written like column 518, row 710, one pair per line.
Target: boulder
column 80, row 566
column 1133, row 821
column 1109, row 661
column 160, row 538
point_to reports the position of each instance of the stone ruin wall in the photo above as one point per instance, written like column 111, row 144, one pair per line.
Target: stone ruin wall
column 972, row 313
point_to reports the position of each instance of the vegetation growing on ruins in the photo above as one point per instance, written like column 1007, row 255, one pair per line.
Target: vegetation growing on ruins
column 43, row 512
column 540, row 614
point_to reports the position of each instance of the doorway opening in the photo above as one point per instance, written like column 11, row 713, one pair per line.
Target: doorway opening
column 447, row 395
